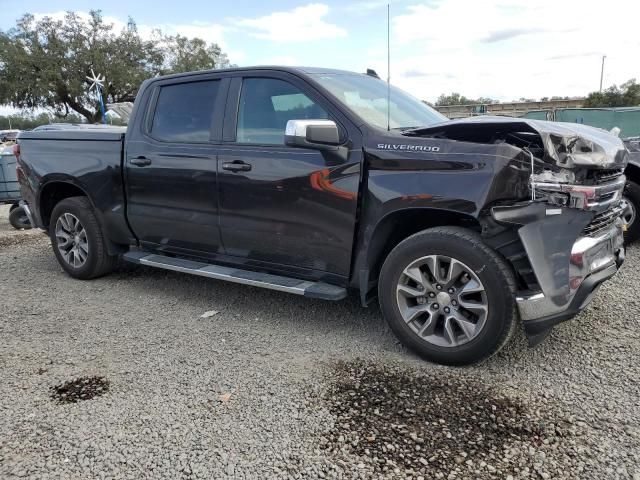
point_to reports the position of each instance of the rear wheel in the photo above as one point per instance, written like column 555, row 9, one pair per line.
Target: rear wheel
column 78, row 241
column 18, row 218
column 448, row 296
column 631, row 216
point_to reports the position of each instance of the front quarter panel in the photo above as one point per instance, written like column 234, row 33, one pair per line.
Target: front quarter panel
column 464, row 177
column 437, row 176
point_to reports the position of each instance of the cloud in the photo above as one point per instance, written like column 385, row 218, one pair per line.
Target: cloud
column 417, row 73
column 369, row 5
column 506, row 34
column 507, row 49
column 302, row 24
column 208, row 31
column 570, row 56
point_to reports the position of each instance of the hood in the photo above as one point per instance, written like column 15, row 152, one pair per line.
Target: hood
column 567, row 145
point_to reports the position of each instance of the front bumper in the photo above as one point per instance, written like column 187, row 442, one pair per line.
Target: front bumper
column 593, row 260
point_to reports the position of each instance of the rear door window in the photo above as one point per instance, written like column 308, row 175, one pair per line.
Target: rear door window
column 184, row 111
column 266, row 104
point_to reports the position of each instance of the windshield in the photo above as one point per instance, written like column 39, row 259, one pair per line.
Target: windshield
column 366, row 96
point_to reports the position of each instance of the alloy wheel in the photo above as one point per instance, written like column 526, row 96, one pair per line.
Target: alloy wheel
column 71, row 240
column 442, row 300
column 629, row 215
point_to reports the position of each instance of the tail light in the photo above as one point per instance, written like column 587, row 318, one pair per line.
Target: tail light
column 16, row 151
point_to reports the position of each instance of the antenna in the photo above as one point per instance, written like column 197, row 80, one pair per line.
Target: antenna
column 388, row 68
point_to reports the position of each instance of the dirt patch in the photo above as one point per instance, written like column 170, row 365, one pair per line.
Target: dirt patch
column 22, row 237
column 433, row 425
column 83, row 388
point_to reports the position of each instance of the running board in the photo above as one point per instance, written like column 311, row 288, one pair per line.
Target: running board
column 296, row 286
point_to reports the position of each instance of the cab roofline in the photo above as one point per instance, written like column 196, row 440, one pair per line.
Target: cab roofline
column 304, row 71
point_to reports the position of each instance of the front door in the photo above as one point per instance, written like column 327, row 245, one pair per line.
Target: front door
column 280, row 205
column 171, row 167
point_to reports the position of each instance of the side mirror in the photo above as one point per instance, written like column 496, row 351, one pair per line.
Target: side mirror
column 319, row 134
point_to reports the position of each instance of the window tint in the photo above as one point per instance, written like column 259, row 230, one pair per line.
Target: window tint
column 184, row 111
column 266, row 104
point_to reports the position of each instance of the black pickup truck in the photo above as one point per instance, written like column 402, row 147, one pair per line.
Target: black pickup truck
column 310, row 181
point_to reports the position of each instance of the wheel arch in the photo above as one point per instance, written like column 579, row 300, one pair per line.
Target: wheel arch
column 395, row 227
column 53, row 192
column 632, row 172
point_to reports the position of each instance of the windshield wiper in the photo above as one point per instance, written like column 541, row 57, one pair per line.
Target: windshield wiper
column 411, row 130
column 404, row 130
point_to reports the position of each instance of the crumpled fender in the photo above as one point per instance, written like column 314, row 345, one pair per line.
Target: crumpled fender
column 567, row 145
column 547, row 234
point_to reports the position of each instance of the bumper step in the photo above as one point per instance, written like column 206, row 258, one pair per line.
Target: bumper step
column 323, row 291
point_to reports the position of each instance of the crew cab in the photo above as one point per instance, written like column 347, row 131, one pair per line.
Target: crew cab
column 318, row 182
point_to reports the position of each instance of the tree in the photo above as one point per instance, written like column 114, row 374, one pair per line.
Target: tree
column 628, row 95
column 457, row 99
column 188, row 55
column 555, row 97
column 44, row 63
column 27, row 122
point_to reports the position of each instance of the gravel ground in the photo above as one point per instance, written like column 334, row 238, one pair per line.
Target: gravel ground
column 120, row 377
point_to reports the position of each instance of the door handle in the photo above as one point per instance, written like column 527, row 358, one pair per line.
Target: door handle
column 236, row 166
column 140, row 161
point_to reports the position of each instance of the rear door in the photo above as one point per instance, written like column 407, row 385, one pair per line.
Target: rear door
column 290, row 208
column 171, row 166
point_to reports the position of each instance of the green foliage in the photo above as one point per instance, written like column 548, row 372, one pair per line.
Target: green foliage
column 44, row 63
column 457, row 99
column 555, row 97
column 27, row 122
column 189, row 55
column 628, row 95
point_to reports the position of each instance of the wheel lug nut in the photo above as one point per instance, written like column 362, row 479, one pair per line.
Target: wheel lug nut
column 446, row 310
column 454, row 303
column 431, row 294
column 438, row 287
column 435, row 306
column 451, row 290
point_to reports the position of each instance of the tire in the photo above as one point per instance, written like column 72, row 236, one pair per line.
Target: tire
column 88, row 257
column 18, row 219
column 475, row 333
column 632, row 196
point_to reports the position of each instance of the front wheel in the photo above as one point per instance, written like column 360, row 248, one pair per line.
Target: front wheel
column 631, row 216
column 78, row 241
column 448, row 296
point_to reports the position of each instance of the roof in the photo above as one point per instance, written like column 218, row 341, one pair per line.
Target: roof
column 279, row 68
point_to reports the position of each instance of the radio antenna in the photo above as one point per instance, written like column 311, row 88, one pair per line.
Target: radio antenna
column 388, row 68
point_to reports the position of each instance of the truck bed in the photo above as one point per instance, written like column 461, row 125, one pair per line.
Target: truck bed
column 89, row 132
column 87, row 158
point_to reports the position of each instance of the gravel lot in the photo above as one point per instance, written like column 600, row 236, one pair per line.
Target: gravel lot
column 276, row 386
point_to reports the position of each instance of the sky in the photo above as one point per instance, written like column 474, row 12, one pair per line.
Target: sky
column 502, row 49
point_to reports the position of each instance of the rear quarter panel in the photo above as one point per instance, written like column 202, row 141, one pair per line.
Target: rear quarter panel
column 92, row 161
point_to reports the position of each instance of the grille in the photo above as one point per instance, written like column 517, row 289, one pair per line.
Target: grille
column 602, row 221
column 598, row 177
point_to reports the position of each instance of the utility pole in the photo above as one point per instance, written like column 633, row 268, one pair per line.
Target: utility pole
column 602, row 72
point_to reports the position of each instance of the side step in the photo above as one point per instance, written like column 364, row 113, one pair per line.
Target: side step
column 296, row 286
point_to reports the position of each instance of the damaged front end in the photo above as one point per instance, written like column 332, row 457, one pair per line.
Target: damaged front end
column 567, row 238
